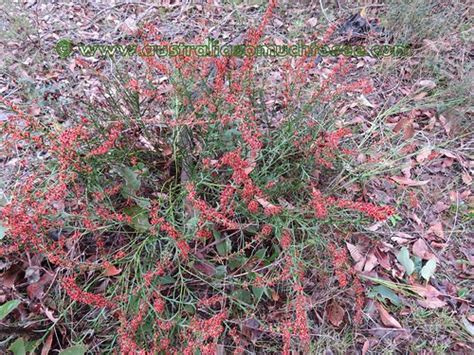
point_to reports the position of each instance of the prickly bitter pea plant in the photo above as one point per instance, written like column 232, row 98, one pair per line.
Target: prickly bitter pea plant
column 196, row 206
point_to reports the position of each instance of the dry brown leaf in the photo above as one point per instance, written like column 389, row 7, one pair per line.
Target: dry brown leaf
column 429, row 84
column 423, row 154
column 205, row 268
column 374, row 227
column 364, row 102
column 405, row 124
column 335, row 314
column 250, row 168
column 386, row 318
column 47, row 344
column 416, row 219
column 432, row 303
column 427, row 291
column 264, row 203
column 466, row 178
column 365, row 347
column 48, row 313
column 431, row 296
column 110, row 270
column 399, row 240
column 355, row 252
column 404, row 235
column 437, row 229
column 383, row 259
column 409, row 182
column 371, row 262
column 251, row 329
column 421, row 250
column 313, row 21
column 420, row 96
column 34, row 110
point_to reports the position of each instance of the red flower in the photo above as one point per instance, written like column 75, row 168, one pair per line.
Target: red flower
column 253, row 206
column 285, row 239
column 81, row 296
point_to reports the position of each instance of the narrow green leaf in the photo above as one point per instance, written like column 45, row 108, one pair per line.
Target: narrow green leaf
column 428, row 270
column 404, row 258
column 74, row 350
column 7, row 307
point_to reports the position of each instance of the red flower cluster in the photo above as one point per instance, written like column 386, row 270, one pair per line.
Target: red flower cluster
column 78, row 295
column 339, row 261
column 301, row 321
column 209, row 328
column 110, row 142
column 207, row 212
column 320, row 204
column 286, row 239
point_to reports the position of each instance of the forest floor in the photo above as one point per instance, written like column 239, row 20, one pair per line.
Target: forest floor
column 318, row 204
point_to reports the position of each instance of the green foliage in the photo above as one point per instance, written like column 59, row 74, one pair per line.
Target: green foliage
column 8, row 307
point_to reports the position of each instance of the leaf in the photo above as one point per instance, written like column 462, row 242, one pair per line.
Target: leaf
column 2, row 232
column 468, row 326
column 139, row 218
column 74, row 350
column 223, row 245
column 409, row 182
column 363, row 101
column 18, row 347
column 432, row 303
column 437, row 229
column 265, row 204
column 142, row 202
column 47, row 344
column 430, row 294
column 110, row 270
column 258, row 292
column 132, row 183
column 405, row 124
column 420, row 249
column 205, row 268
column 423, row 154
column 429, row 84
column 166, row 280
column 243, row 295
column 371, row 262
column 237, row 261
column 387, row 293
column 427, row 291
column 21, row 346
column 386, row 318
column 428, row 270
column 7, row 307
column 404, row 258
column 355, row 252
column 335, row 314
